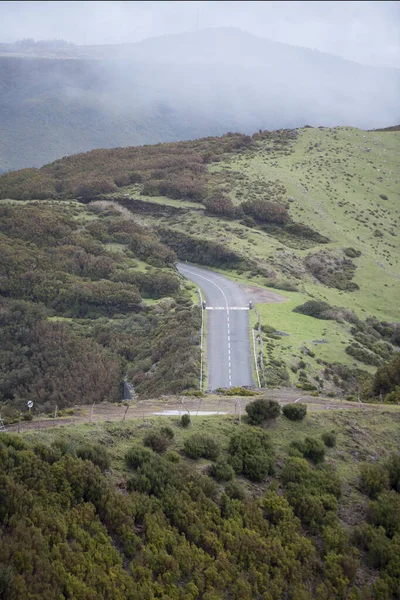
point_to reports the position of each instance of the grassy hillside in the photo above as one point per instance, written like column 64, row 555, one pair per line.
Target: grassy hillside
column 311, row 212
column 343, row 184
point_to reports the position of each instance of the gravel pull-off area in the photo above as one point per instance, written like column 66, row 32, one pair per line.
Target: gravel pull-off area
column 261, row 296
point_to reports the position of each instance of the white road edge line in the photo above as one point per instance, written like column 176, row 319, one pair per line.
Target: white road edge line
column 255, row 358
column 201, row 340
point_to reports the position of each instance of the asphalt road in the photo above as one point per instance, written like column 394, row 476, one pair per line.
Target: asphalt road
column 229, row 357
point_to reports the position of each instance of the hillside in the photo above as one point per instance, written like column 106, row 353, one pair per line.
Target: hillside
column 217, row 509
column 61, row 100
column 311, row 212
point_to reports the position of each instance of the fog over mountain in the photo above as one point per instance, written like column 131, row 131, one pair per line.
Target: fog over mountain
column 58, row 99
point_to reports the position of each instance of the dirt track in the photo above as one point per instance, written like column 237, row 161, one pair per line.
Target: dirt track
column 213, row 404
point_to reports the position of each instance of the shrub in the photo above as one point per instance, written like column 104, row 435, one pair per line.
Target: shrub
column 220, row 205
column 363, row 355
column 251, row 454
column 385, row 512
column 237, row 391
column 383, row 196
column 295, row 412
column 156, row 441
column 234, row 490
column 393, row 468
column 316, row 309
column 137, row 456
column 311, row 448
column 262, row 410
column 97, row 454
column 167, row 432
column 185, row 420
column 374, row 479
column 173, row 456
column 265, row 211
column 201, row 445
column 352, row 252
column 329, row 439
column 222, row 471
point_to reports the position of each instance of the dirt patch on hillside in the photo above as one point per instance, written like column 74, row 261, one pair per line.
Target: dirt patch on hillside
column 262, row 296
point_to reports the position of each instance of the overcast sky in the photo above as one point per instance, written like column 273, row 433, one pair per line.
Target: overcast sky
column 367, row 32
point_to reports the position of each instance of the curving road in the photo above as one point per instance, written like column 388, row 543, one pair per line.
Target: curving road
column 228, row 346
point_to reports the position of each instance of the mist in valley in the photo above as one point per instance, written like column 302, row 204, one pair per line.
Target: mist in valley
column 137, row 73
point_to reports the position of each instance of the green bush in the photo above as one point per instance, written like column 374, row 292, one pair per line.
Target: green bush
column 251, row 454
column 222, row 471
column 316, row 309
column 95, row 453
column 311, row 448
column 352, row 252
column 385, row 512
column 237, row 391
column 393, row 469
column 167, row 432
column 137, row 456
column 295, row 412
column 234, row 490
column 201, row 445
column 173, row 456
column 329, row 439
column 185, row 420
column 262, row 410
column 156, row 441
column 374, row 479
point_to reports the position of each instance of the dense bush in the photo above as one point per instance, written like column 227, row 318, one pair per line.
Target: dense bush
column 313, row 492
column 305, row 232
column 363, row 355
column 266, row 211
column 374, row 479
column 252, row 454
column 262, row 410
column 222, row 471
column 201, row 445
column 97, row 454
column 295, row 412
column 385, row 512
column 352, row 252
column 185, row 420
column 311, row 448
column 157, row 441
column 199, row 250
column 329, row 439
column 220, row 205
column 387, row 377
column 332, row 270
column 315, row 308
column 393, row 469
